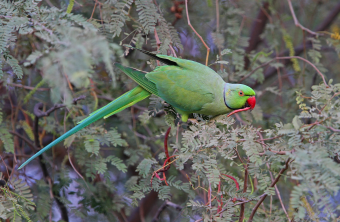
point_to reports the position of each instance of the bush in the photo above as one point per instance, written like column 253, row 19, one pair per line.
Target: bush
column 276, row 163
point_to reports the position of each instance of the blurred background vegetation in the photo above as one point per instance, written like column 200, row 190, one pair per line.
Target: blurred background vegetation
column 57, row 66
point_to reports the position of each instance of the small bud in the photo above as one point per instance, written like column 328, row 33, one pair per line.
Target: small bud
column 173, row 9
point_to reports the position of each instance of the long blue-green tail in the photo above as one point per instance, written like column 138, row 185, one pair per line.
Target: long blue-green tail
column 126, row 100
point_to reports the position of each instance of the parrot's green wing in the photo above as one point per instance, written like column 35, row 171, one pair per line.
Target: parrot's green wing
column 185, row 84
column 181, row 88
column 139, row 77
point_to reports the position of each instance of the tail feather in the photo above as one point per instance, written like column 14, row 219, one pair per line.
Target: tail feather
column 126, row 100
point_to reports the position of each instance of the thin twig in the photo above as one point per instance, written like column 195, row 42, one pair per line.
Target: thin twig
column 29, row 143
column 9, row 175
column 276, row 189
column 209, row 195
column 94, row 8
column 278, row 193
column 172, row 50
column 240, row 119
column 276, row 152
column 75, row 170
column 218, row 29
column 305, row 60
column 158, row 42
column 200, row 37
column 324, row 25
column 287, row 57
column 38, row 113
column 28, row 87
column 336, row 94
column 329, row 127
column 296, row 22
column 247, row 201
column 272, row 185
column 241, row 217
column 163, row 206
column 254, row 70
column 243, row 202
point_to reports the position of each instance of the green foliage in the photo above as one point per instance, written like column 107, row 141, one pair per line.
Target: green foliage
column 114, row 138
column 50, row 55
column 5, row 136
column 15, row 66
column 118, row 17
column 145, row 166
column 148, row 15
column 16, row 200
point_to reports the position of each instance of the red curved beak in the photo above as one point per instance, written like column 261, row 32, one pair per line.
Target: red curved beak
column 250, row 105
column 252, row 102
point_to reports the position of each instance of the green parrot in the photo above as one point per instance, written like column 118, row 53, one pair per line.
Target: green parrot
column 188, row 86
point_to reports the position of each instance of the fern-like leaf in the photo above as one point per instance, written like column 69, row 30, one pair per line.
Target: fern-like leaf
column 6, row 139
column 148, row 15
column 15, row 66
column 119, row 17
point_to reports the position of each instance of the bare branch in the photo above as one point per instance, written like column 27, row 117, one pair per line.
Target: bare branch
column 254, row 70
column 158, row 42
column 241, row 217
column 29, row 143
column 164, row 205
column 38, row 113
column 305, row 60
column 28, row 87
column 299, row 49
column 287, row 57
column 278, row 193
column 272, row 185
column 200, row 37
column 296, row 22
column 257, row 29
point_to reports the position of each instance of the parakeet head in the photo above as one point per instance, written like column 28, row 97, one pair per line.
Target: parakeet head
column 239, row 97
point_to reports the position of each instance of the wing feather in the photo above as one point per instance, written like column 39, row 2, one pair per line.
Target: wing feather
column 178, row 87
column 139, row 77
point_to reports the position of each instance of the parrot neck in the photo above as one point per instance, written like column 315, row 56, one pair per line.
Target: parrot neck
column 224, row 91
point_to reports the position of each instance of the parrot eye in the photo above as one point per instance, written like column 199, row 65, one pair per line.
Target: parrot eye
column 240, row 93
